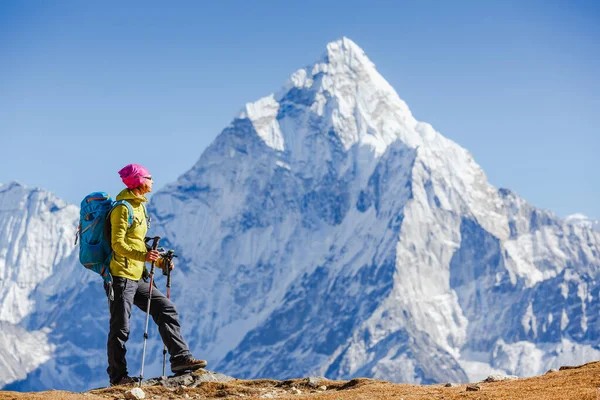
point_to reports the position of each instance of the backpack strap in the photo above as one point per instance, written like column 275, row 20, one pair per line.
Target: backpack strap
column 148, row 219
column 129, row 211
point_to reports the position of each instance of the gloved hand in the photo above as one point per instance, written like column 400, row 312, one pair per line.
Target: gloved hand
column 161, row 264
column 108, row 288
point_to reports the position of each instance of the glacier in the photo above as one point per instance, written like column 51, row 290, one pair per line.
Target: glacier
column 327, row 232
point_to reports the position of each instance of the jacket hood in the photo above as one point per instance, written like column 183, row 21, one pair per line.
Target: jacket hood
column 127, row 194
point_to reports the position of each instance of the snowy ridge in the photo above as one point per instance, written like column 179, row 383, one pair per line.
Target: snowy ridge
column 37, row 234
column 38, row 231
column 327, row 232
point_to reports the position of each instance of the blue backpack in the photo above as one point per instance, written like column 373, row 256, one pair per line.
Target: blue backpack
column 95, row 251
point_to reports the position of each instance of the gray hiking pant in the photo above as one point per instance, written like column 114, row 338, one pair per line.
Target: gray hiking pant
column 127, row 293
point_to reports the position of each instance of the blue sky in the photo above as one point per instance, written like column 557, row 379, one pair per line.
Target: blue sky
column 87, row 87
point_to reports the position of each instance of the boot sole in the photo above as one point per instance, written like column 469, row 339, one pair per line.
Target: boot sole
column 179, row 370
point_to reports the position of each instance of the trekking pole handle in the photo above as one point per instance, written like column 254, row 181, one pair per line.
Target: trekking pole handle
column 155, row 241
column 168, row 259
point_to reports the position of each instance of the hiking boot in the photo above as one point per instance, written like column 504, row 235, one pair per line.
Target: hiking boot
column 187, row 364
column 126, row 380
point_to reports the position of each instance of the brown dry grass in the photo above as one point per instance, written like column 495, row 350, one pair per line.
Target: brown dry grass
column 578, row 383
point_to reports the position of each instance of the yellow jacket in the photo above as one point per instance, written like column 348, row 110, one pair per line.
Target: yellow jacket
column 129, row 249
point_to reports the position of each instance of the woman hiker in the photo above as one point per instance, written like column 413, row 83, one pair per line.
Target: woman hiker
column 127, row 267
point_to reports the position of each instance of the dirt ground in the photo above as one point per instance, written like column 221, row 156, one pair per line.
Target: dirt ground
column 572, row 383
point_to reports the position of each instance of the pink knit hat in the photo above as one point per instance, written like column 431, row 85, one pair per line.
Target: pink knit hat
column 133, row 175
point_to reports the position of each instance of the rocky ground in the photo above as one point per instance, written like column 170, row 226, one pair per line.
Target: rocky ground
column 573, row 383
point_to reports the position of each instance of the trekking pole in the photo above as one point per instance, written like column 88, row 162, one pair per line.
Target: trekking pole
column 167, row 267
column 154, row 246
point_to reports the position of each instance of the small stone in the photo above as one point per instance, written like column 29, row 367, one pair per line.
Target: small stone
column 314, row 381
column 295, row 390
column 156, row 397
column 135, row 394
column 450, row 384
column 473, row 388
column 186, row 396
column 211, row 377
column 322, row 388
column 268, row 396
column 552, row 370
column 500, row 378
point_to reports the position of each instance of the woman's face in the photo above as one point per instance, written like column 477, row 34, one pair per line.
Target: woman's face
column 148, row 182
column 146, row 187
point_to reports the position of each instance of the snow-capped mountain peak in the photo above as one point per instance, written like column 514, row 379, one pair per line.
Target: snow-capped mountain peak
column 344, row 54
column 345, row 96
column 342, row 183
